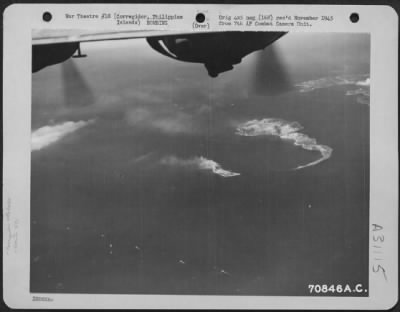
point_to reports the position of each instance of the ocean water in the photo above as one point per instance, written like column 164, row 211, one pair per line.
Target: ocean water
column 150, row 177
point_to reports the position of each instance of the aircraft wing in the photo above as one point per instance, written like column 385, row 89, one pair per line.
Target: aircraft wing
column 57, row 36
column 217, row 52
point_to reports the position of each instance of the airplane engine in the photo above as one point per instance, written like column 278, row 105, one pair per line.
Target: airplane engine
column 217, row 51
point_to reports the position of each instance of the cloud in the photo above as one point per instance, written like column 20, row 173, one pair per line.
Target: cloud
column 200, row 163
column 364, row 83
column 359, row 91
column 326, row 82
column 47, row 135
column 168, row 121
column 288, row 131
column 208, row 164
column 362, row 93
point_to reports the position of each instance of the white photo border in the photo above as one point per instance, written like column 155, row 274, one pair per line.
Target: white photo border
column 381, row 22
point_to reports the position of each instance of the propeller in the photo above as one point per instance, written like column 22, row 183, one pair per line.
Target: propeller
column 77, row 92
column 270, row 74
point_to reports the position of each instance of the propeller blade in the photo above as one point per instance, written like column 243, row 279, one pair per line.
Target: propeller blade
column 270, row 75
column 77, row 92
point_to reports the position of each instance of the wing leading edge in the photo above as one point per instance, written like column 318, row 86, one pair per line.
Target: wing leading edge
column 58, row 36
column 218, row 51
